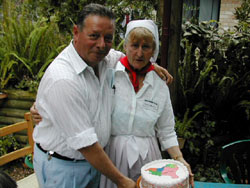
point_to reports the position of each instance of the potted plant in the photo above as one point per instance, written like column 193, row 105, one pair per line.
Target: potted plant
column 29, row 161
column 182, row 126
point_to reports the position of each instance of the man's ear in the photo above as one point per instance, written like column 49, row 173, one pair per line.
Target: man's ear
column 124, row 47
column 75, row 32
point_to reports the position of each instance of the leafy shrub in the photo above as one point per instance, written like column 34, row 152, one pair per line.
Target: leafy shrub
column 8, row 144
column 182, row 126
column 242, row 14
column 205, row 173
column 214, row 74
column 27, row 46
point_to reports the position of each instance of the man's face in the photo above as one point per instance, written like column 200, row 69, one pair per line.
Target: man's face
column 95, row 40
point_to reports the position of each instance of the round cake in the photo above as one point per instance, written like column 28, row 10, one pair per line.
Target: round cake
column 165, row 173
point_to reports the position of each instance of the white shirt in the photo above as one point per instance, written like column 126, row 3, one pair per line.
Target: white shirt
column 143, row 114
column 74, row 103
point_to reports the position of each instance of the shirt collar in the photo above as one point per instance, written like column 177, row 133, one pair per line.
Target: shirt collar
column 78, row 64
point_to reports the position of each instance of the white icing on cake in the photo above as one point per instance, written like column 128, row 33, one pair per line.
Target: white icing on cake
column 166, row 173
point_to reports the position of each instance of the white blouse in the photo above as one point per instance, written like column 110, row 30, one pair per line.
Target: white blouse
column 141, row 115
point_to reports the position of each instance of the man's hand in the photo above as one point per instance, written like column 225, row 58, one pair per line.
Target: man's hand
column 128, row 183
column 35, row 115
column 163, row 73
column 96, row 156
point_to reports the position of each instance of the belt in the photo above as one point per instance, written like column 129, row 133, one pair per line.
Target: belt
column 56, row 155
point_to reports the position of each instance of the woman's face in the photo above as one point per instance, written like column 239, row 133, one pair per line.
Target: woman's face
column 139, row 52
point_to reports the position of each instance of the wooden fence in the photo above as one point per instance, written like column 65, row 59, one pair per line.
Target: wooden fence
column 13, row 108
column 15, row 120
column 10, row 129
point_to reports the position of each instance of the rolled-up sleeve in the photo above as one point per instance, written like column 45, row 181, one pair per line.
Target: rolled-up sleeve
column 83, row 139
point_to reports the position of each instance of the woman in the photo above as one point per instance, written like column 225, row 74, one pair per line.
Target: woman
column 142, row 106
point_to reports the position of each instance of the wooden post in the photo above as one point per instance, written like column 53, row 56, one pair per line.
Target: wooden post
column 29, row 120
column 171, row 13
column 165, row 32
column 174, row 49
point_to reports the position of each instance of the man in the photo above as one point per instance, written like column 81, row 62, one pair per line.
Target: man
column 74, row 100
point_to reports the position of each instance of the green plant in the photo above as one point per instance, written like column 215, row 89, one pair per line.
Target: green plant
column 28, row 84
column 182, row 126
column 8, row 144
column 27, row 46
column 208, row 174
column 242, row 14
column 214, row 73
column 6, row 72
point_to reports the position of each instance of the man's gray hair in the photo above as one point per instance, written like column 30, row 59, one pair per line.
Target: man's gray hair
column 94, row 9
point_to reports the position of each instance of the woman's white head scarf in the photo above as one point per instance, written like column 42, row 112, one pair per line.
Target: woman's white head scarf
column 150, row 25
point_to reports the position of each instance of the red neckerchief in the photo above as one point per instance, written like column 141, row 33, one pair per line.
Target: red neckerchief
column 134, row 73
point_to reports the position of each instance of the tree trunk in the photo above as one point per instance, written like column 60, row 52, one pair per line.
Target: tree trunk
column 170, row 12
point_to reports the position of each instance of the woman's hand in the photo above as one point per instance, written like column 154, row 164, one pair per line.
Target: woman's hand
column 176, row 154
column 163, row 73
column 35, row 115
column 191, row 175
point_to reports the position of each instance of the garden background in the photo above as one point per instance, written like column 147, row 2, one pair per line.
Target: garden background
column 213, row 106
